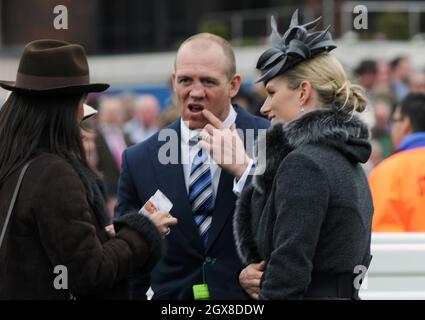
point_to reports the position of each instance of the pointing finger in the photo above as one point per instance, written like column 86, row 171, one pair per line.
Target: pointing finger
column 212, row 119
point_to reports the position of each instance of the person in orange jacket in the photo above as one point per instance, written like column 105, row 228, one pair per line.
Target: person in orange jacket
column 398, row 182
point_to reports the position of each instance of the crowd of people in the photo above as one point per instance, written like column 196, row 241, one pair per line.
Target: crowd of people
column 343, row 157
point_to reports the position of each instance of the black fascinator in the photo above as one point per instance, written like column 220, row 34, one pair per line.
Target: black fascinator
column 296, row 45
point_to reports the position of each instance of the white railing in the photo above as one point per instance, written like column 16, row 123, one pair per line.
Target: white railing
column 397, row 270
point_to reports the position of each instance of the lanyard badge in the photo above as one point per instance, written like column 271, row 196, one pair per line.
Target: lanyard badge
column 201, row 291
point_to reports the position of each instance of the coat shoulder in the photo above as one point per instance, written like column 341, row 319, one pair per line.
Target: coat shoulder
column 314, row 154
column 49, row 171
column 51, row 164
column 321, row 155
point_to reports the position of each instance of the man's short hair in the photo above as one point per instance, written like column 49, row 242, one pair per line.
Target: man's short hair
column 394, row 63
column 366, row 67
column 413, row 106
column 224, row 44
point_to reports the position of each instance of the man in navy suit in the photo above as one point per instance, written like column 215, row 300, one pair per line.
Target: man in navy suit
column 204, row 81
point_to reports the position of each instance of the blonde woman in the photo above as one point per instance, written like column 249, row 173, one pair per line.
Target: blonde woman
column 303, row 228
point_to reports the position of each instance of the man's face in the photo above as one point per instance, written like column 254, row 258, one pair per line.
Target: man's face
column 200, row 82
column 400, row 128
column 368, row 80
column 112, row 113
column 417, row 83
column 404, row 69
column 147, row 112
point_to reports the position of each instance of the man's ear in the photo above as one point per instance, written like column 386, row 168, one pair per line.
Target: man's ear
column 173, row 81
column 235, row 84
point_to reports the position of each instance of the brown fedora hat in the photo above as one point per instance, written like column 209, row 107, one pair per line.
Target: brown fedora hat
column 53, row 67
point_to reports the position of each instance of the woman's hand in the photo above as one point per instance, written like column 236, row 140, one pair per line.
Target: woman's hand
column 110, row 230
column 163, row 220
column 250, row 278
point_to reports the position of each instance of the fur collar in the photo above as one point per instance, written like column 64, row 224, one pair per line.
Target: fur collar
column 342, row 131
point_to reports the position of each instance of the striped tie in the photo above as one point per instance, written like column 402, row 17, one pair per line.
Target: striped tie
column 201, row 195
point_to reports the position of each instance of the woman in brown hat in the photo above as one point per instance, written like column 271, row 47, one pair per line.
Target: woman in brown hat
column 53, row 243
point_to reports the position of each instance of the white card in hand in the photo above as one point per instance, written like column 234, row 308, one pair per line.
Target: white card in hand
column 158, row 202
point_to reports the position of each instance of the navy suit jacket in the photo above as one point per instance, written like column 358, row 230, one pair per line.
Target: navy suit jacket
column 186, row 262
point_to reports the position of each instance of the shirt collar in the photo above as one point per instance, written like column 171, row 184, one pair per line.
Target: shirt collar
column 412, row 141
column 187, row 134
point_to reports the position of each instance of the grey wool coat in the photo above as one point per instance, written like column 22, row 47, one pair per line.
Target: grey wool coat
column 310, row 213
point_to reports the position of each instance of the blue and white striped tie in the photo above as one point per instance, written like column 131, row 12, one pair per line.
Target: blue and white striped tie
column 201, row 195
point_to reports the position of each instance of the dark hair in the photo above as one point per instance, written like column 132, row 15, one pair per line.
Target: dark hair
column 31, row 122
column 413, row 106
column 394, row 63
column 366, row 67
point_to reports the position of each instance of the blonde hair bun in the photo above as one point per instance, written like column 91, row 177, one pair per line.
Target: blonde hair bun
column 328, row 78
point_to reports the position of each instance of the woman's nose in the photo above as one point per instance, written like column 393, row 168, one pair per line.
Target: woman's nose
column 264, row 108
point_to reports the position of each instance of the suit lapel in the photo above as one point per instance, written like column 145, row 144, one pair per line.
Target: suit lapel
column 224, row 206
column 226, row 199
column 171, row 182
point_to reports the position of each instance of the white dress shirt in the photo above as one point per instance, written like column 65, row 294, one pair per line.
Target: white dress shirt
column 189, row 152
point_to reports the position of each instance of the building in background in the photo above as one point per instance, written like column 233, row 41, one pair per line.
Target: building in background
column 133, row 26
column 104, row 26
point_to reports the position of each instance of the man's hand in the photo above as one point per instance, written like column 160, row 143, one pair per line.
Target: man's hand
column 224, row 145
column 250, row 278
